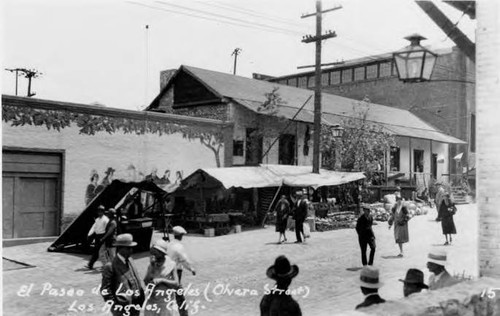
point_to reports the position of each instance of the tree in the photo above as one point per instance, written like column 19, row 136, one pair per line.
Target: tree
column 361, row 145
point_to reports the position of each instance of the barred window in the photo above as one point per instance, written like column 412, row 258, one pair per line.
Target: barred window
column 385, row 69
column 335, row 77
column 303, row 82
column 371, row 72
column 347, row 75
column 325, row 79
column 359, row 74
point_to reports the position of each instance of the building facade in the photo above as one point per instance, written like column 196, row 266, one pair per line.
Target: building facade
column 58, row 155
column 447, row 102
column 273, row 122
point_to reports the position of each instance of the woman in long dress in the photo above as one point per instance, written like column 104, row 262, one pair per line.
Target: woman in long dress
column 282, row 213
column 399, row 217
column 161, row 280
column 446, row 211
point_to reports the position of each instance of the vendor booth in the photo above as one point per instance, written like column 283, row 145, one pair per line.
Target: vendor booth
column 138, row 207
column 220, row 198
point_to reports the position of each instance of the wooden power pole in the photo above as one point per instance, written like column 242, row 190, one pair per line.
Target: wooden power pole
column 235, row 53
column 317, row 82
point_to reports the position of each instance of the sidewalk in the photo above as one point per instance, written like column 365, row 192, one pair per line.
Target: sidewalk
column 239, row 261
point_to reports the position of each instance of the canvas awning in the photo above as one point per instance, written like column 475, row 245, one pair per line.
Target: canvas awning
column 268, row 176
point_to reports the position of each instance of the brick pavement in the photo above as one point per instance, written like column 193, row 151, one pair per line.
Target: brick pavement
column 240, row 261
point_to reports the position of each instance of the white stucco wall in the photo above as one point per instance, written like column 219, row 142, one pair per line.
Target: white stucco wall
column 84, row 153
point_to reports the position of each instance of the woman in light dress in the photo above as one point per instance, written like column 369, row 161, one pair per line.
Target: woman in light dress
column 399, row 217
column 162, row 281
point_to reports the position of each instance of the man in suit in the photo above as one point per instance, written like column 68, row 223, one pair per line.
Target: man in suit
column 122, row 288
column 300, row 216
column 369, row 284
column 366, row 236
column 414, row 282
column 440, row 278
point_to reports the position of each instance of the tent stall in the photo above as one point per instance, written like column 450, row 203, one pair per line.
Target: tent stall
column 136, row 205
column 217, row 197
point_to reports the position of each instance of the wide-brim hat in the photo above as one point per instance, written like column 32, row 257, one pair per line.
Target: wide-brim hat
column 369, row 278
column 179, row 230
column 438, row 257
column 416, row 277
column 161, row 245
column 282, row 269
column 124, row 240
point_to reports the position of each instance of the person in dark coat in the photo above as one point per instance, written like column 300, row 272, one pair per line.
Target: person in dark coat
column 282, row 213
column 276, row 301
column 300, row 215
column 369, row 284
column 446, row 211
column 366, row 236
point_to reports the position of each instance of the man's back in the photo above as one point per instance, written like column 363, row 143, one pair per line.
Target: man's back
column 279, row 305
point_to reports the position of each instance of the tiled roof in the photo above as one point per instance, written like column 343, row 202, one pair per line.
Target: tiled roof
column 251, row 93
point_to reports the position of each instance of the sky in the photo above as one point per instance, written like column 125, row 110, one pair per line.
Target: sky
column 100, row 51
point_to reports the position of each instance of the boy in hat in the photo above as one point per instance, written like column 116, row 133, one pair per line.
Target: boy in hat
column 414, row 282
column 96, row 233
column 276, row 301
column 121, row 284
column 369, row 284
column 178, row 254
column 440, row 278
column 366, row 236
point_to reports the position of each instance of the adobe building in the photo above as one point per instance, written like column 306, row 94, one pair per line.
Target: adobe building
column 447, row 102
column 57, row 154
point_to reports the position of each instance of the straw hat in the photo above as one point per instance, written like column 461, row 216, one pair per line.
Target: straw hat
column 369, row 278
column 282, row 269
column 437, row 257
column 124, row 240
column 178, row 230
column 161, row 245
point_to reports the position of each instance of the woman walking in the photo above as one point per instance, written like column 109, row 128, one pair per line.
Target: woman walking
column 282, row 213
column 446, row 211
column 161, row 280
column 399, row 217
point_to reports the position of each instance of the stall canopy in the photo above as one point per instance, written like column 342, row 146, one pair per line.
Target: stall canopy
column 113, row 194
column 268, row 176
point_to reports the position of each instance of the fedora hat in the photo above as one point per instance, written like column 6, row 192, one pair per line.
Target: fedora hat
column 369, row 278
column 282, row 269
column 179, row 230
column 415, row 276
column 437, row 257
column 124, row 240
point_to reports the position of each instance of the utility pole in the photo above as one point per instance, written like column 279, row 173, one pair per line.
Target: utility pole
column 28, row 73
column 317, row 82
column 236, row 52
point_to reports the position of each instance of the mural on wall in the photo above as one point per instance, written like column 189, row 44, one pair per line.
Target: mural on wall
column 130, row 174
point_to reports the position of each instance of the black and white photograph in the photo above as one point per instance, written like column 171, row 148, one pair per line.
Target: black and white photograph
column 259, row 157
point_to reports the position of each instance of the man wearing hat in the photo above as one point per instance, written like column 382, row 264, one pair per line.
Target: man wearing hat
column 300, row 215
column 178, row 254
column 276, row 301
column 414, row 282
column 366, row 236
column 436, row 262
column 96, row 233
column 109, row 237
column 120, row 280
column 369, row 284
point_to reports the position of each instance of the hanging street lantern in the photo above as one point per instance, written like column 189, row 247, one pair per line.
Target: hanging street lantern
column 415, row 63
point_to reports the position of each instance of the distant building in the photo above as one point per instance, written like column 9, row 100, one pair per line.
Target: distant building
column 447, row 102
column 285, row 131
